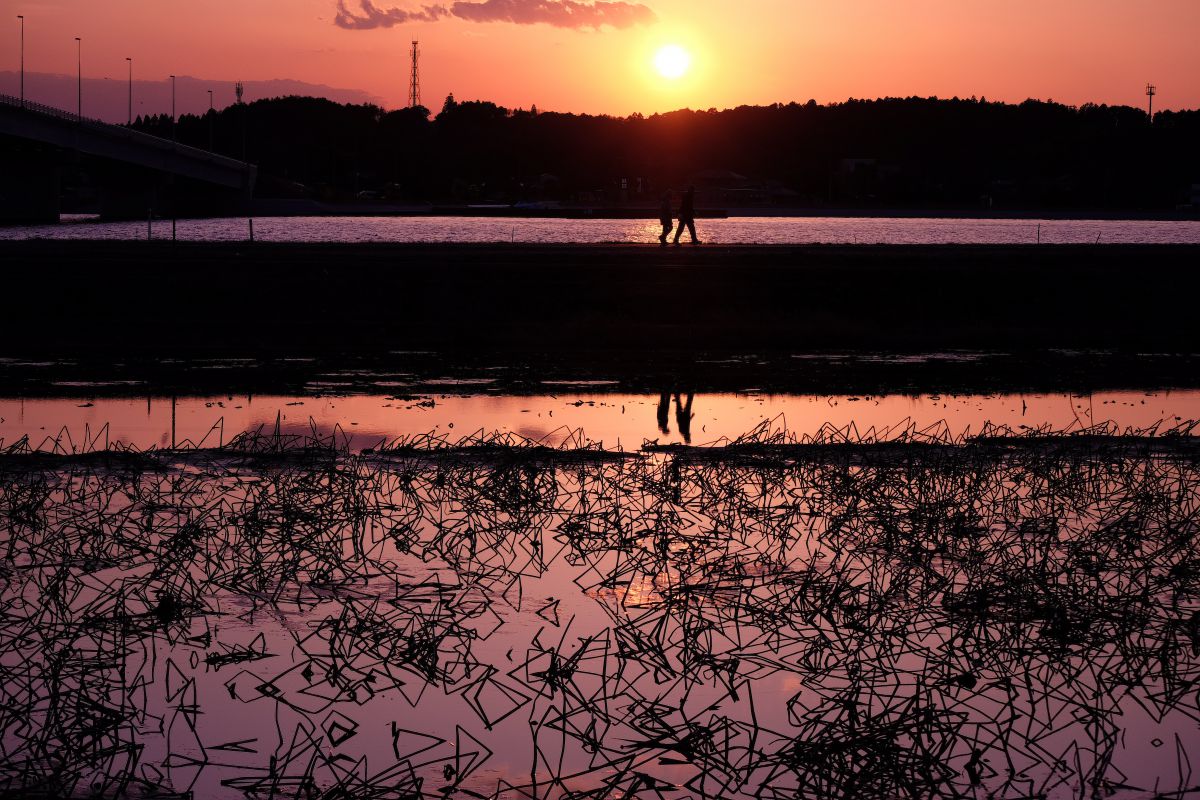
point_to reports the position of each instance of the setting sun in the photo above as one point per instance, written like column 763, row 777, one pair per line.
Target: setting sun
column 672, row 61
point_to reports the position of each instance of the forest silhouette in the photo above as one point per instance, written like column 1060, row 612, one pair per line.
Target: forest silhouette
column 887, row 153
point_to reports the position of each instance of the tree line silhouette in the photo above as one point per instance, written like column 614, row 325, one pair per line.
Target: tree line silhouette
column 892, row 152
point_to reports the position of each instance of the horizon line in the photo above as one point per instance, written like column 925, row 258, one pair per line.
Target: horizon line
column 377, row 101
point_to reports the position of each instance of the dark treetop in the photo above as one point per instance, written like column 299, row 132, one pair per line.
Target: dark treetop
column 895, row 152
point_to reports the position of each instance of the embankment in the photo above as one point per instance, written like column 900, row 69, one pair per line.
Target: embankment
column 267, row 299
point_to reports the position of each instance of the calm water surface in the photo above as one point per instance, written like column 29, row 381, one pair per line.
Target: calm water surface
column 614, row 419
column 735, row 230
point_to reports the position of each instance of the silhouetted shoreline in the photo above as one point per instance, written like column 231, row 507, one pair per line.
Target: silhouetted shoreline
column 74, row 372
column 962, row 154
column 304, row 208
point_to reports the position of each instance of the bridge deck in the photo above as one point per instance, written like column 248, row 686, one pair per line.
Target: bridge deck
column 60, row 128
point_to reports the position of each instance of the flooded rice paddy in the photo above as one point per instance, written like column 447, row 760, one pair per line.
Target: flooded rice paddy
column 545, row 596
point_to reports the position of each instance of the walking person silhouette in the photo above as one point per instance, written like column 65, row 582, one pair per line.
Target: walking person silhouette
column 665, row 217
column 687, row 215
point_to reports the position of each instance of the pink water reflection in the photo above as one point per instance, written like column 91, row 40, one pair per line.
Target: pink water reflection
column 618, row 420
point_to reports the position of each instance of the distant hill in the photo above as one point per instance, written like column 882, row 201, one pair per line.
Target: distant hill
column 108, row 98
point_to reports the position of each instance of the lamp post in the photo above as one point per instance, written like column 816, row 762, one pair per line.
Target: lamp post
column 130, row 62
column 78, row 78
column 172, row 108
column 238, row 88
column 22, row 18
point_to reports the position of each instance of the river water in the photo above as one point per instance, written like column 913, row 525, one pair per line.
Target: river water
column 734, row 230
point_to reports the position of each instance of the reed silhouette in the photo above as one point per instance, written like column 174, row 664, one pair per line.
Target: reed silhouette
column 902, row 613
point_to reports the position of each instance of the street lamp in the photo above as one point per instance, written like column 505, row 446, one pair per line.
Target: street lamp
column 130, row 62
column 22, row 18
column 78, row 78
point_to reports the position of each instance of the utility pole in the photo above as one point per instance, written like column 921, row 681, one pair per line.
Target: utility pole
column 22, row 18
column 238, row 89
column 172, row 108
column 414, row 83
column 130, row 62
column 210, row 121
column 78, row 78
column 1151, row 90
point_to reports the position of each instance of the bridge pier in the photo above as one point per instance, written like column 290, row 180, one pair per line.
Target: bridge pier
column 130, row 194
column 126, row 192
column 190, row 198
column 30, row 185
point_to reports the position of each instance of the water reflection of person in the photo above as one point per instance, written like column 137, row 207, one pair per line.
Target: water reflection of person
column 664, row 406
column 683, row 414
column 683, row 417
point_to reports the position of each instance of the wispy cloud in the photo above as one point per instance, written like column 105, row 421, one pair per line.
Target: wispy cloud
column 576, row 14
column 559, row 13
column 370, row 15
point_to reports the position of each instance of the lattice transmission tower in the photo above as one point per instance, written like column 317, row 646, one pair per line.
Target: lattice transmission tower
column 414, row 82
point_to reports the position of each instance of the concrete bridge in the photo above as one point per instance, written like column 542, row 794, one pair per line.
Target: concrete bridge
column 131, row 173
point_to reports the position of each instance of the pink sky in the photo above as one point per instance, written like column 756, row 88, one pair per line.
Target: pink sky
column 752, row 51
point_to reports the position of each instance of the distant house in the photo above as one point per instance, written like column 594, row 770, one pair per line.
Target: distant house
column 590, row 197
column 721, row 187
column 543, row 186
column 858, row 178
column 718, row 179
column 630, row 187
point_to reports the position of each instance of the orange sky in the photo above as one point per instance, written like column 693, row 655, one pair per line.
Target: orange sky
column 750, row 51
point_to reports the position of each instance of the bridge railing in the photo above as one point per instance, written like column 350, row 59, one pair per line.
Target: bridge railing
column 119, row 131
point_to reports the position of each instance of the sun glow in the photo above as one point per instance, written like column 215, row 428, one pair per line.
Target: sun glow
column 672, row 61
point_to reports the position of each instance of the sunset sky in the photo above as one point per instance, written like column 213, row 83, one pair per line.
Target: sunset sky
column 549, row 52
